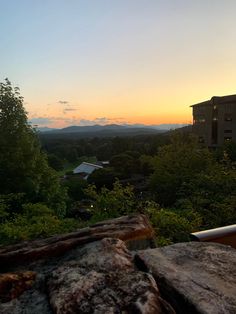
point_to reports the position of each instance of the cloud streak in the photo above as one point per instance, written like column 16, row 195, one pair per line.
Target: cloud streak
column 60, row 122
column 41, row 121
column 63, row 102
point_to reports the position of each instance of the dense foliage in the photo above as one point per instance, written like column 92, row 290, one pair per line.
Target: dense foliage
column 34, row 221
column 23, row 167
column 32, row 200
column 180, row 186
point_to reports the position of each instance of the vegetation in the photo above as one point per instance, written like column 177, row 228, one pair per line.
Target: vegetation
column 22, row 164
column 180, row 186
column 34, row 221
column 111, row 203
column 26, row 180
column 176, row 165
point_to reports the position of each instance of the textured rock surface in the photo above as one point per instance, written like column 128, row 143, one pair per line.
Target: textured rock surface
column 75, row 273
column 13, row 285
column 135, row 231
column 194, row 277
column 104, row 280
column 99, row 277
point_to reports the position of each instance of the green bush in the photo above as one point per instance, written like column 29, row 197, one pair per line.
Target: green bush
column 36, row 221
column 112, row 203
column 169, row 226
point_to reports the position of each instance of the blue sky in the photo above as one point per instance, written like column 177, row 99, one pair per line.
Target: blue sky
column 117, row 61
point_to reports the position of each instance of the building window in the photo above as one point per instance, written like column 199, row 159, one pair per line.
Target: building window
column 228, row 131
column 228, row 117
column 199, row 119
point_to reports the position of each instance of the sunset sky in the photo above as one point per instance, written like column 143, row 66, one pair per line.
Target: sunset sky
column 81, row 62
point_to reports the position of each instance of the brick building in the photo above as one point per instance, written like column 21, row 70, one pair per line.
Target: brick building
column 214, row 120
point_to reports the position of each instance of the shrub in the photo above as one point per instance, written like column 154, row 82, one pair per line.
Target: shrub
column 36, row 221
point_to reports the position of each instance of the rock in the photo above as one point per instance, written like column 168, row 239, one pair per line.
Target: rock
column 194, row 277
column 85, row 272
column 103, row 279
column 20, row 294
column 30, row 302
column 135, row 231
column 98, row 277
column 12, row 285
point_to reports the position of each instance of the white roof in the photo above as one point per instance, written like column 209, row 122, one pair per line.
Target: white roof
column 86, row 167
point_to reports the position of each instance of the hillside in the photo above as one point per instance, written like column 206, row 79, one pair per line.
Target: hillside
column 111, row 130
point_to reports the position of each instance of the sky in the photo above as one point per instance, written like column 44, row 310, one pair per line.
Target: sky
column 83, row 62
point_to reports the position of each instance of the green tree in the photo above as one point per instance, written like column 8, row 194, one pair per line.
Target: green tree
column 103, row 177
column 112, row 203
column 212, row 195
column 75, row 187
column 55, row 162
column 175, row 165
column 23, row 167
column 146, row 164
column 170, row 227
column 124, row 164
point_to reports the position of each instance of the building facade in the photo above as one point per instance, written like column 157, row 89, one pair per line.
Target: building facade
column 214, row 120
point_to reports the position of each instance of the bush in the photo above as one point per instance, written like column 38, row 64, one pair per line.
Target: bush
column 169, row 226
column 177, row 164
column 75, row 187
column 36, row 221
column 112, row 203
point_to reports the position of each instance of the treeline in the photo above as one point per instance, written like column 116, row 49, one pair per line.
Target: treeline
column 71, row 149
column 180, row 185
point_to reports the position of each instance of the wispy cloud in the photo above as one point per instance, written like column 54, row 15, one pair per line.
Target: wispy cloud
column 59, row 121
column 69, row 109
column 63, row 102
column 41, row 121
column 101, row 120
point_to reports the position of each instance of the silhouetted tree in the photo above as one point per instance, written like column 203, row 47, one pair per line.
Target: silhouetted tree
column 23, row 167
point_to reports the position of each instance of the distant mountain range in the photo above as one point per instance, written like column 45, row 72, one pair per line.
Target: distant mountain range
column 131, row 128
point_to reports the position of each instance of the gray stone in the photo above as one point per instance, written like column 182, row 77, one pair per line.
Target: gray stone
column 31, row 302
column 104, row 280
column 99, row 277
column 194, row 277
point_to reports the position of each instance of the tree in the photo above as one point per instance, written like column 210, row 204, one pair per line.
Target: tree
column 75, row 186
column 177, row 164
column 55, row 162
column 212, row 195
column 112, row 203
column 103, row 177
column 124, row 164
column 23, row 167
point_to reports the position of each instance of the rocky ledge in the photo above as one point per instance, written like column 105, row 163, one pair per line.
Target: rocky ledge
column 102, row 273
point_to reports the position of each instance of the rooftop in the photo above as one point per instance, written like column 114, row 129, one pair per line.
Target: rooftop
column 217, row 100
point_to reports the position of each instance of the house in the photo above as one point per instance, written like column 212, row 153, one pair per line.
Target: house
column 85, row 169
column 214, row 120
column 104, row 164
